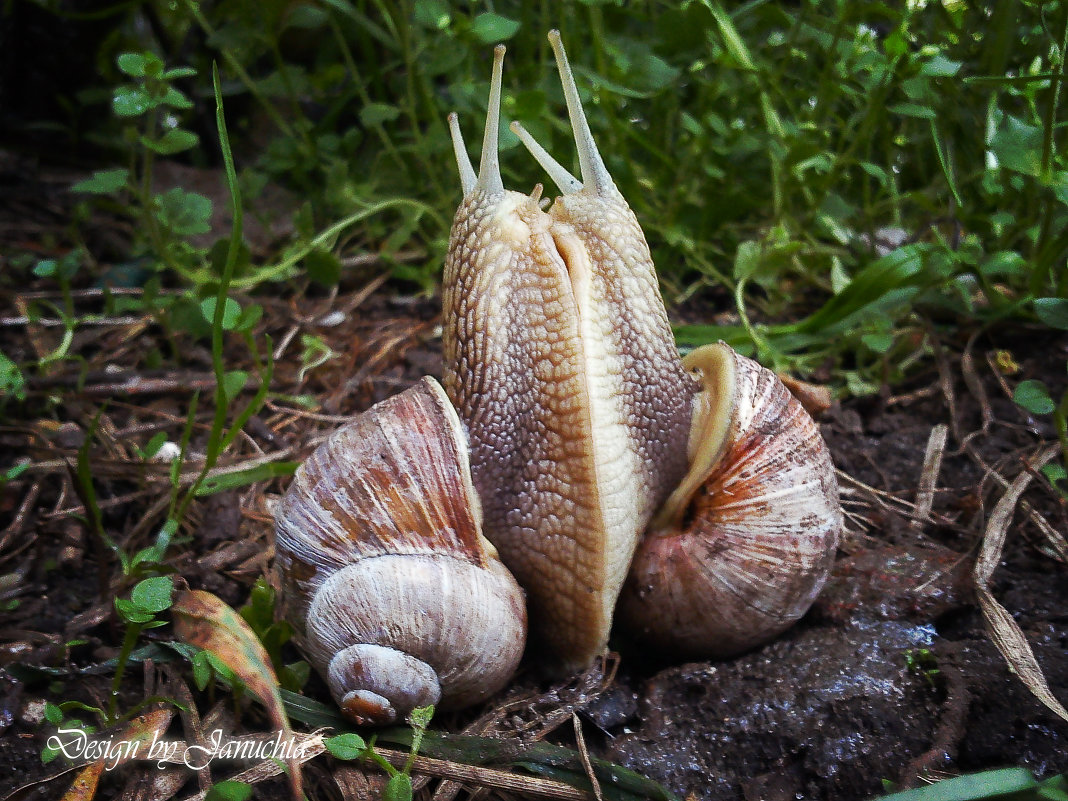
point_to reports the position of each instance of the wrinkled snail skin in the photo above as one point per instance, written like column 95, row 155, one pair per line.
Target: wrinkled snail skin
column 395, row 596
column 740, row 551
column 561, row 363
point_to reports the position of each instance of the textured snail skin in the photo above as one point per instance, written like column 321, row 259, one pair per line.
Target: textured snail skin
column 561, row 363
column 395, row 596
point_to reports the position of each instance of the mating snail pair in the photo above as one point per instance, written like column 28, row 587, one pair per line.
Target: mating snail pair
column 695, row 496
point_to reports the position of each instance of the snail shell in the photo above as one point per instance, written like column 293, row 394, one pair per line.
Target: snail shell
column 396, row 597
column 743, row 546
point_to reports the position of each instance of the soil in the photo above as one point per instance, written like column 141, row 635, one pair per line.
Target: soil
column 891, row 677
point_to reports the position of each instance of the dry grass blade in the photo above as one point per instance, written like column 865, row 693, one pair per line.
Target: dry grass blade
column 1004, row 631
column 486, row 777
column 305, row 747
column 585, row 756
column 932, row 465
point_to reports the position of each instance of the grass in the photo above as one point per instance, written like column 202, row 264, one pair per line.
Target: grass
column 767, row 151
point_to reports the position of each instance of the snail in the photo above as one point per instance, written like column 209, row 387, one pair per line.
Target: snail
column 394, row 594
column 595, row 453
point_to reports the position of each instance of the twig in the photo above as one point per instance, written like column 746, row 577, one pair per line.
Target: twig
column 487, row 777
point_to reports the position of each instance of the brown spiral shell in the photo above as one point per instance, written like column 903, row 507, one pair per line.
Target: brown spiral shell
column 743, row 547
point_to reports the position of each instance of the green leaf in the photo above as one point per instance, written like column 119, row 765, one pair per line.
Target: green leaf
column 131, row 612
column 879, row 343
column 377, row 113
column 323, row 267
column 184, row 213
column 131, row 101
column 234, row 383
column 53, row 714
column 248, row 318
column 940, row 67
column 398, row 788
column 174, row 141
column 1053, row 312
column 989, row 784
column 201, row 670
column 153, row 594
column 433, row 14
column 1018, row 146
column 154, row 444
column 45, row 268
column 1054, row 471
column 913, row 110
column 133, row 64
column 12, row 382
column 1004, row 262
column 178, row 72
column 229, row 790
column 156, row 551
column 16, row 469
column 308, row 17
column 1033, row 396
column 490, row 28
column 242, row 478
column 747, row 260
column 876, row 172
column 346, row 746
column 176, row 99
column 231, row 312
column 103, row 182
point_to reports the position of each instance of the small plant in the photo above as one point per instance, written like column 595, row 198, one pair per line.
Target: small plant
column 148, row 598
column 148, row 105
column 1034, row 396
column 259, row 614
column 351, row 746
column 922, row 662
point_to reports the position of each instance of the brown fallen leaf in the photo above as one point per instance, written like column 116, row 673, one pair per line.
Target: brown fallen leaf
column 816, row 398
column 204, row 620
column 136, row 738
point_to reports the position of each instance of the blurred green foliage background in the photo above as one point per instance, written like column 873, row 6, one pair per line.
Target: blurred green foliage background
column 837, row 175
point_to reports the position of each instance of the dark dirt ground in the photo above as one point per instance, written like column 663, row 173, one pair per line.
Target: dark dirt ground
column 892, row 676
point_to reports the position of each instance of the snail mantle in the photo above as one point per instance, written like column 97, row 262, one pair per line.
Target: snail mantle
column 570, row 448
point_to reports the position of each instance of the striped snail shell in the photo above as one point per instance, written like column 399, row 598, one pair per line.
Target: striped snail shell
column 742, row 548
column 396, row 597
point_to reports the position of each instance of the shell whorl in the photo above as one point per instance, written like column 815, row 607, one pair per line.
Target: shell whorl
column 743, row 548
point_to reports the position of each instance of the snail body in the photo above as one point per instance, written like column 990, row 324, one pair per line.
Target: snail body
column 561, row 363
column 595, row 452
